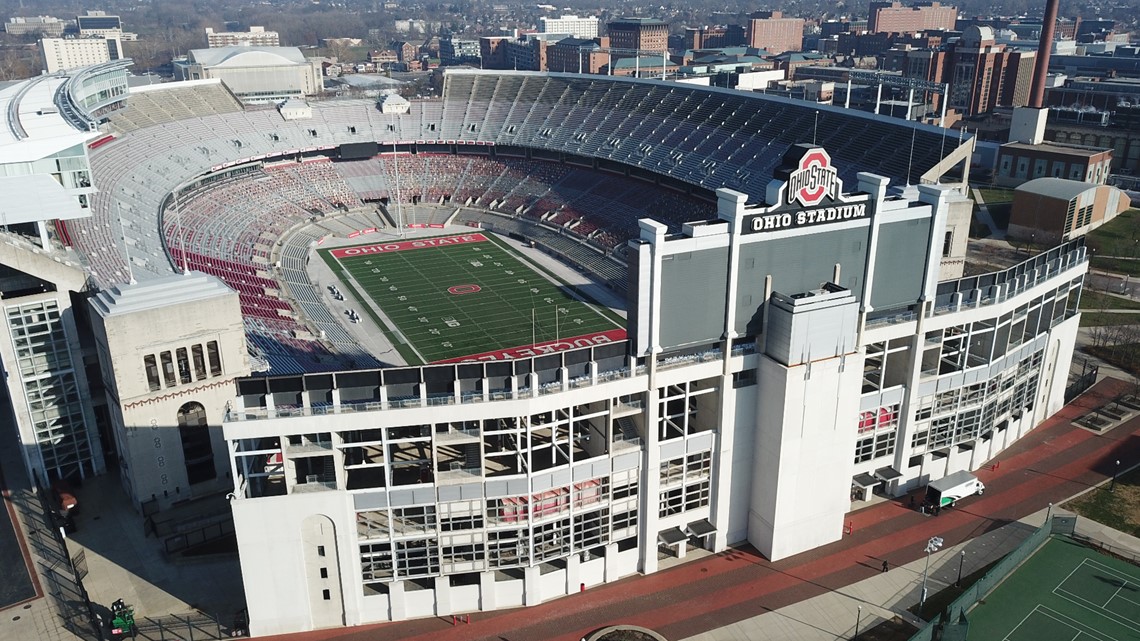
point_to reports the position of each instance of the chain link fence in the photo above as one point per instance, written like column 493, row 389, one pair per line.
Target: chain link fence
column 954, row 624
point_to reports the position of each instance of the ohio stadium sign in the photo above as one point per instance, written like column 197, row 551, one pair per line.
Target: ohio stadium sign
column 812, row 194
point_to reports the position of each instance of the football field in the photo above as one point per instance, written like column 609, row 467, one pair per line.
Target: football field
column 451, row 297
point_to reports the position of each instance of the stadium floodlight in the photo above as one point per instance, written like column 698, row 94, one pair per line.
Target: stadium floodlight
column 933, row 545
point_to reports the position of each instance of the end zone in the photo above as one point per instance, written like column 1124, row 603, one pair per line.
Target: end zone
column 423, row 243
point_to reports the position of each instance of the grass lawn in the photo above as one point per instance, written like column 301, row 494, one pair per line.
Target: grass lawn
column 1098, row 300
column 1119, row 509
column 1119, row 236
column 996, row 195
column 1116, row 265
column 456, row 296
column 1101, row 319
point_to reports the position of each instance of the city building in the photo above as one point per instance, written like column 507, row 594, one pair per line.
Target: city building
column 982, row 74
column 1052, row 210
column 890, row 16
column 585, row 28
column 45, row 26
column 575, row 55
column 1019, row 162
column 493, row 51
column 62, row 54
column 406, row 51
column 732, row 35
column 641, row 34
column 255, row 37
column 255, row 74
column 98, row 23
column 790, row 61
column 771, row 31
column 453, row 51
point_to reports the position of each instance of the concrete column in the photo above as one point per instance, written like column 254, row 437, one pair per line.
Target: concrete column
column 531, row 593
column 487, row 596
column 399, row 608
column 573, row 573
column 611, row 573
column 443, row 605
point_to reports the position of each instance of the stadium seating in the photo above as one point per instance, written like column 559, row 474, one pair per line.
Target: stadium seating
column 173, row 139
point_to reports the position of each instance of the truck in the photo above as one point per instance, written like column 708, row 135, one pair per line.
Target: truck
column 948, row 490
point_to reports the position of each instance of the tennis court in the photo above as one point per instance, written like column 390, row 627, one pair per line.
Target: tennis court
column 1066, row 592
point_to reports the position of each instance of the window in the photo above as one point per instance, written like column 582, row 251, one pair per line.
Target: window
column 214, row 358
column 167, row 369
column 947, row 244
column 151, row 367
column 199, row 362
column 324, row 573
column 183, row 366
column 327, row 595
column 320, row 550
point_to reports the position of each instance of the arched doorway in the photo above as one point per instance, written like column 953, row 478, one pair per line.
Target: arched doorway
column 197, row 449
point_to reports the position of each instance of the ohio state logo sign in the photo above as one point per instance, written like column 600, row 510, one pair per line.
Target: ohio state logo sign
column 813, row 180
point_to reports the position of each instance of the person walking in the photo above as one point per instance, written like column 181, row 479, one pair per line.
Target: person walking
column 885, row 566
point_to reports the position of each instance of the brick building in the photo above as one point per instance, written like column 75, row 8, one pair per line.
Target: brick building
column 894, row 17
column 770, row 30
column 645, row 34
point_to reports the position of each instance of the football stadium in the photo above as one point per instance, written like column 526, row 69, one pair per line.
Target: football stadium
column 542, row 333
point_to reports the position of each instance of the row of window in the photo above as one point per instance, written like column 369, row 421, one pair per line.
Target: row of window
column 461, row 516
column 495, row 549
column 182, row 366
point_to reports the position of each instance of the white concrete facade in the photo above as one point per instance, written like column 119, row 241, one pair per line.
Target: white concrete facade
column 62, row 54
column 574, row 26
column 170, row 350
column 531, row 479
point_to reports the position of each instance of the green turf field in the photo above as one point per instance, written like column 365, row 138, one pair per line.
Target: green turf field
column 1065, row 592
column 454, row 300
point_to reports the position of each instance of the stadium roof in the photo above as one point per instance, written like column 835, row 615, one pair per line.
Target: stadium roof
column 35, row 128
column 247, row 56
column 32, row 198
column 173, row 289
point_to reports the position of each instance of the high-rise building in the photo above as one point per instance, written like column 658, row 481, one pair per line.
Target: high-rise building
column 771, row 31
column 98, row 23
column 256, row 36
column 585, row 28
column 981, row 73
column 645, row 34
column 60, row 54
column 893, row 17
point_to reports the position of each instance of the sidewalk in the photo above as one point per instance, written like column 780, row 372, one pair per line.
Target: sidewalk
column 886, row 595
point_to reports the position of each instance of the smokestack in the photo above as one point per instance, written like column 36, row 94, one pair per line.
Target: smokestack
column 1041, row 65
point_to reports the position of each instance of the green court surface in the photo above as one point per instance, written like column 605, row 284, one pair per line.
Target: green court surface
column 1064, row 592
column 468, row 295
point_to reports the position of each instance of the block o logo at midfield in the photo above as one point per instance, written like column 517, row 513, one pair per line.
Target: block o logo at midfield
column 814, row 179
column 463, row 289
